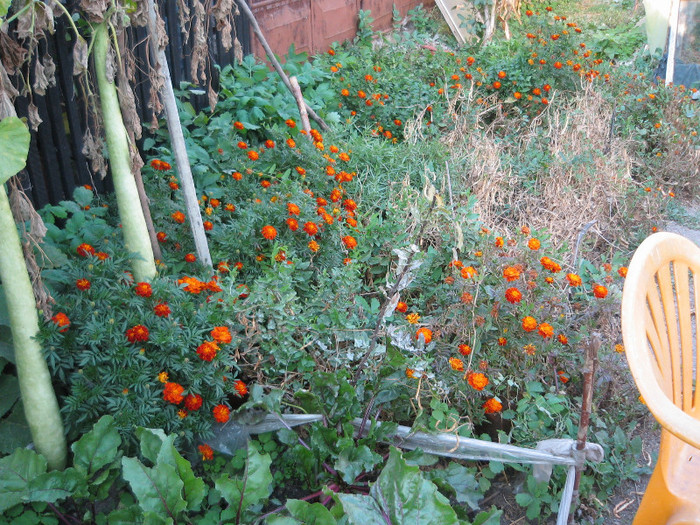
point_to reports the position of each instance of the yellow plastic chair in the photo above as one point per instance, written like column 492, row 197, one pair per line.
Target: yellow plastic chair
column 659, row 328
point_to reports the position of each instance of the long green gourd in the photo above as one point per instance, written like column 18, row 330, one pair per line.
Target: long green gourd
column 133, row 222
column 38, row 397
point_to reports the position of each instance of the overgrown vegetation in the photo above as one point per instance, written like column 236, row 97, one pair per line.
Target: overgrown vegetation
column 425, row 263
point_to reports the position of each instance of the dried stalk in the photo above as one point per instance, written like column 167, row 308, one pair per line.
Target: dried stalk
column 392, row 292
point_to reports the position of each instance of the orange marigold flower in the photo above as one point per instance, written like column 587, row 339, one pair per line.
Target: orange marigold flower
column 545, row 330
column 161, row 236
column 401, row 307
column 238, row 125
column 600, row 291
column 242, row 145
column 511, row 274
column 85, row 249
column 622, row 271
column 253, row 155
column 221, row 413
column 310, row 228
column 464, row 349
column 61, row 320
column 496, row 85
column 619, row 348
column 194, row 285
column 208, row 225
column 265, row 183
column 558, row 65
column 492, row 406
column 222, row 267
column 221, row 334
column 563, row 339
column 427, row 334
column 574, row 280
column 501, row 74
column 173, row 185
column 193, row 402
column 529, row 324
column 82, row 285
column 499, row 243
column 292, row 224
column 502, row 341
column 350, row 242
column 468, row 272
column 206, row 452
column 289, row 122
column 513, row 295
column 313, row 246
column 345, row 92
column 163, row 377
column 563, row 377
column 269, row 144
column 533, row 244
column 161, row 310
column 240, row 387
column 517, row 95
column 207, row 350
column 456, row 364
column 269, row 232
column 178, row 217
column 410, row 372
column 291, row 143
column 344, row 157
column 237, row 175
column 190, row 258
column 300, row 170
column 172, row 393
column 143, row 289
column 138, row 333
column 413, row 318
column 478, row 381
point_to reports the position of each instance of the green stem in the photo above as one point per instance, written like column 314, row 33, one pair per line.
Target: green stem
column 133, row 222
column 38, row 397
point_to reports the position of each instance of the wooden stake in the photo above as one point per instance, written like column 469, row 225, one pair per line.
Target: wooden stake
column 296, row 91
column 275, row 63
column 177, row 139
column 589, row 368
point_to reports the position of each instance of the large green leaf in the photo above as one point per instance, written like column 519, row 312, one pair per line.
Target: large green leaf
column 14, row 430
column 160, row 449
column 254, row 487
column 361, row 510
column 16, row 471
column 407, row 497
column 158, row 489
column 353, row 461
column 98, row 448
column 14, row 137
column 310, row 513
column 23, row 479
column 9, row 392
column 4, row 6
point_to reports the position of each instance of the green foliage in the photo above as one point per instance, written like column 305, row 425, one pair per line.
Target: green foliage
column 14, row 136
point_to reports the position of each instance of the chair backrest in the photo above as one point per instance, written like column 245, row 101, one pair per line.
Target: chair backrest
column 659, row 329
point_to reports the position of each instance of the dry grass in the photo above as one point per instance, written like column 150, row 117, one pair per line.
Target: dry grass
column 584, row 172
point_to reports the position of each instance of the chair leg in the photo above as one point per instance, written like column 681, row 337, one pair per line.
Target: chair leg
column 656, row 507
